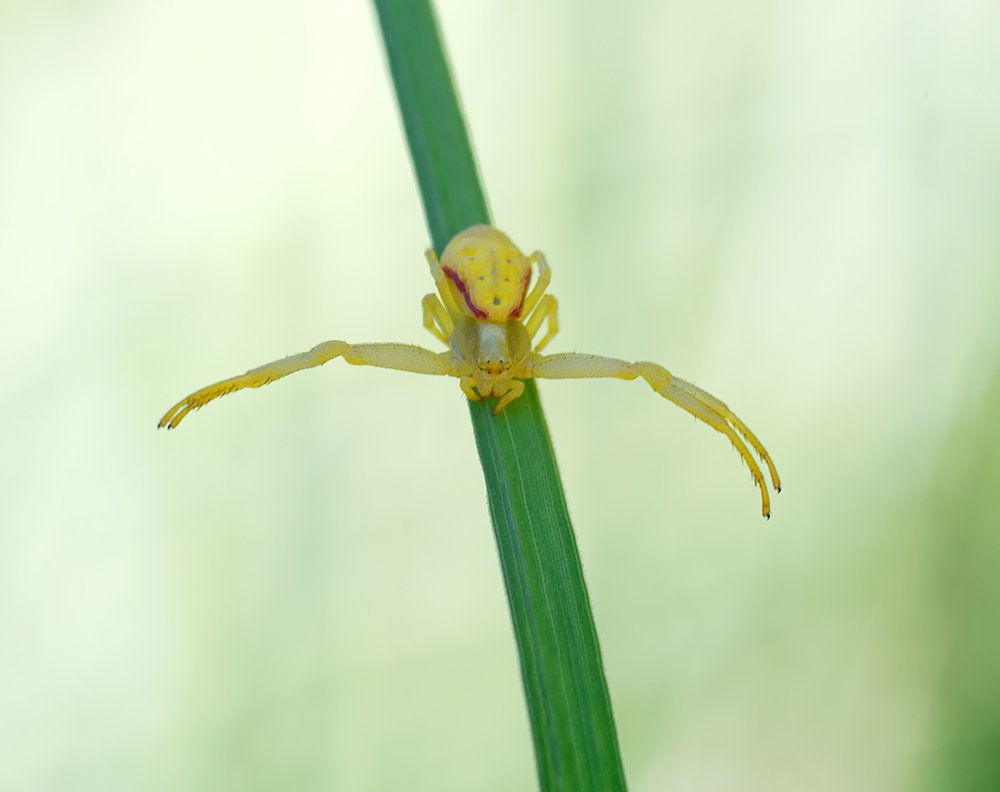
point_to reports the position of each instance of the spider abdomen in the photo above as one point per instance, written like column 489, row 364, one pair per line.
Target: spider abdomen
column 487, row 273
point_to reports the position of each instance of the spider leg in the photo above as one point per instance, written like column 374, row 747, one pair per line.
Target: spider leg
column 516, row 389
column 718, row 407
column 403, row 357
column 541, row 284
column 547, row 308
column 468, row 385
column 699, row 403
column 441, row 281
column 436, row 318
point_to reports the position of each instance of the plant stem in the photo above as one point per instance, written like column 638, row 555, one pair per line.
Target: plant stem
column 576, row 746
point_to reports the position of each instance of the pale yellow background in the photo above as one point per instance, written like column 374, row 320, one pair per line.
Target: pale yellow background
column 794, row 204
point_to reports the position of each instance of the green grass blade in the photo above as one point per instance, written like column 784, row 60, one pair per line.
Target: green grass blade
column 576, row 746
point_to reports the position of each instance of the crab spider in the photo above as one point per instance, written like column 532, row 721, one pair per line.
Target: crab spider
column 487, row 316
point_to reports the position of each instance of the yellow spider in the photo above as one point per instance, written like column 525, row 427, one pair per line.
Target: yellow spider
column 487, row 317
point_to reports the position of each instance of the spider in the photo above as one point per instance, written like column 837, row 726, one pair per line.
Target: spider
column 487, row 316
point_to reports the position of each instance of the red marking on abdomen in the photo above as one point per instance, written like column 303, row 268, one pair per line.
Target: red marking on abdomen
column 479, row 313
column 516, row 313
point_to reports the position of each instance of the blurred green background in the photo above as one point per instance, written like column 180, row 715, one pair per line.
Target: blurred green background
column 794, row 204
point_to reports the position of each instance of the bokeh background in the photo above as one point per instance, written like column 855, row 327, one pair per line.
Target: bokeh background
column 794, row 203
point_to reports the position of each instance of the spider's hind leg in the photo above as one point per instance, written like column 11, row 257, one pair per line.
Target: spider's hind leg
column 547, row 308
column 441, row 281
column 541, row 283
column 436, row 317
column 537, row 308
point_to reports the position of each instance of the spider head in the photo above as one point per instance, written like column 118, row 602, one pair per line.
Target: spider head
column 492, row 350
column 487, row 274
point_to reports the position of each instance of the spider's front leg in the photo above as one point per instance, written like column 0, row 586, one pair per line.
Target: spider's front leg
column 402, row 357
column 701, row 404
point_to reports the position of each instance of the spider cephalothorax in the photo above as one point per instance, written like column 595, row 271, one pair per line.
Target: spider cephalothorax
column 487, row 316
